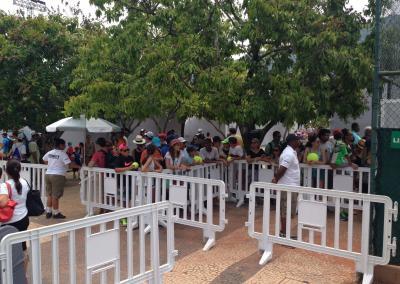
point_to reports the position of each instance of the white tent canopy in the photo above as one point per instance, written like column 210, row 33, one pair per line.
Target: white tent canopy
column 94, row 125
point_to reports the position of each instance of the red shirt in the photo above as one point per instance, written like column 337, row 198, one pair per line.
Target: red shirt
column 99, row 159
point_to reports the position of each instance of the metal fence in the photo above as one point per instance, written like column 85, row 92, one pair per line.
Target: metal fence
column 97, row 249
column 310, row 228
column 194, row 199
column 386, row 108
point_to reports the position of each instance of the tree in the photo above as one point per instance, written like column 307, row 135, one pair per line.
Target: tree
column 303, row 60
column 37, row 56
column 158, row 62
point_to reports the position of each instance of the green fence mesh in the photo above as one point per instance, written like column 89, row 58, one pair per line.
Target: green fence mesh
column 386, row 115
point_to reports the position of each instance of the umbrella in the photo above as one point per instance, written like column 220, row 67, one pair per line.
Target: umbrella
column 95, row 125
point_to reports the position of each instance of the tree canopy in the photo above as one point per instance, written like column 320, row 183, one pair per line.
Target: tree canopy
column 37, row 56
column 253, row 62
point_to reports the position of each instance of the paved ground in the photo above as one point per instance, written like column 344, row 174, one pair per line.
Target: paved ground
column 234, row 259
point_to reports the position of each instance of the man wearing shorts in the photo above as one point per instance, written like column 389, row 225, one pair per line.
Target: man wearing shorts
column 58, row 162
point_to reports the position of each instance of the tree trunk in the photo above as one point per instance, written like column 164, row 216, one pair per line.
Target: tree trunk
column 249, row 131
column 183, row 129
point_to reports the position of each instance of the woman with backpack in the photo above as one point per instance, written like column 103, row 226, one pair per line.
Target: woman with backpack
column 16, row 188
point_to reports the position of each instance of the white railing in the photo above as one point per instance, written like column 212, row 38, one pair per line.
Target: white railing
column 34, row 174
column 192, row 197
column 96, row 248
column 349, row 241
column 241, row 174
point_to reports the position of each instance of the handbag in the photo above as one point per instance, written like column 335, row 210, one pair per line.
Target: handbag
column 34, row 202
column 7, row 211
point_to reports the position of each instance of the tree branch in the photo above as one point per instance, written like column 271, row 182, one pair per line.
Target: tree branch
column 216, row 128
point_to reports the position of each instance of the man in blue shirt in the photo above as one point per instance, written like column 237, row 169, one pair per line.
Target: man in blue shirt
column 355, row 128
column 6, row 144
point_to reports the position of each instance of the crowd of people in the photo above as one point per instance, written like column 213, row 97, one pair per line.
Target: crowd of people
column 169, row 151
column 155, row 152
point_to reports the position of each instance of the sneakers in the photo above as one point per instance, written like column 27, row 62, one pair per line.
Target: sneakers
column 48, row 215
column 59, row 216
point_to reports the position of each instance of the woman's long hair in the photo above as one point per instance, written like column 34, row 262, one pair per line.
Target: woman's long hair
column 13, row 168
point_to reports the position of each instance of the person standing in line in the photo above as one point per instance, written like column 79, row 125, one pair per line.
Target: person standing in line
column 208, row 153
column 90, row 148
column 99, row 157
column 19, row 190
column 288, row 173
column 34, row 153
column 18, row 150
column 58, row 162
column 233, row 133
column 355, row 128
column 275, row 143
column 6, row 145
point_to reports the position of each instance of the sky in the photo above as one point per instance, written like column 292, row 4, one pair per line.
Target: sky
column 7, row 5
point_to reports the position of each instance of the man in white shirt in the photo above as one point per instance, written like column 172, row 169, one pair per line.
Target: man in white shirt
column 288, row 173
column 208, row 152
column 58, row 163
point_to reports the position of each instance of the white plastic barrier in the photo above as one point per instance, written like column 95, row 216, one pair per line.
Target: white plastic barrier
column 103, row 243
column 314, row 218
column 34, row 174
column 242, row 174
column 192, row 197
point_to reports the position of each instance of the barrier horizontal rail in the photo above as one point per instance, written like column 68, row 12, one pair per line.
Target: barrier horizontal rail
column 241, row 174
column 314, row 218
column 100, row 237
column 34, row 174
column 191, row 197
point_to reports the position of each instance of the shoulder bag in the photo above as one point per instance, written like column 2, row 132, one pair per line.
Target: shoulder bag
column 7, row 211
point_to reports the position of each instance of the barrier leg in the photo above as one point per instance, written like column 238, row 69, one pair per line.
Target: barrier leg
column 241, row 200
column 210, row 236
column 265, row 246
column 368, row 275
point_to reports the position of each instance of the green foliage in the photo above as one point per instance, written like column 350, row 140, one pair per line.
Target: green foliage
column 303, row 60
column 253, row 62
column 162, row 60
column 37, row 56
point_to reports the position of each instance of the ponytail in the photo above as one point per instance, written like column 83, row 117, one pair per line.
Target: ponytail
column 13, row 169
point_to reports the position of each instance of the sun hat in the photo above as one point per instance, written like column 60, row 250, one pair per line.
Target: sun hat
column 149, row 134
column 182, row 140
column 139, row 140
column 175, row 141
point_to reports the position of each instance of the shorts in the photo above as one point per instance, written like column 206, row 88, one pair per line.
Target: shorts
column 284, row 204
column 55, row 185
